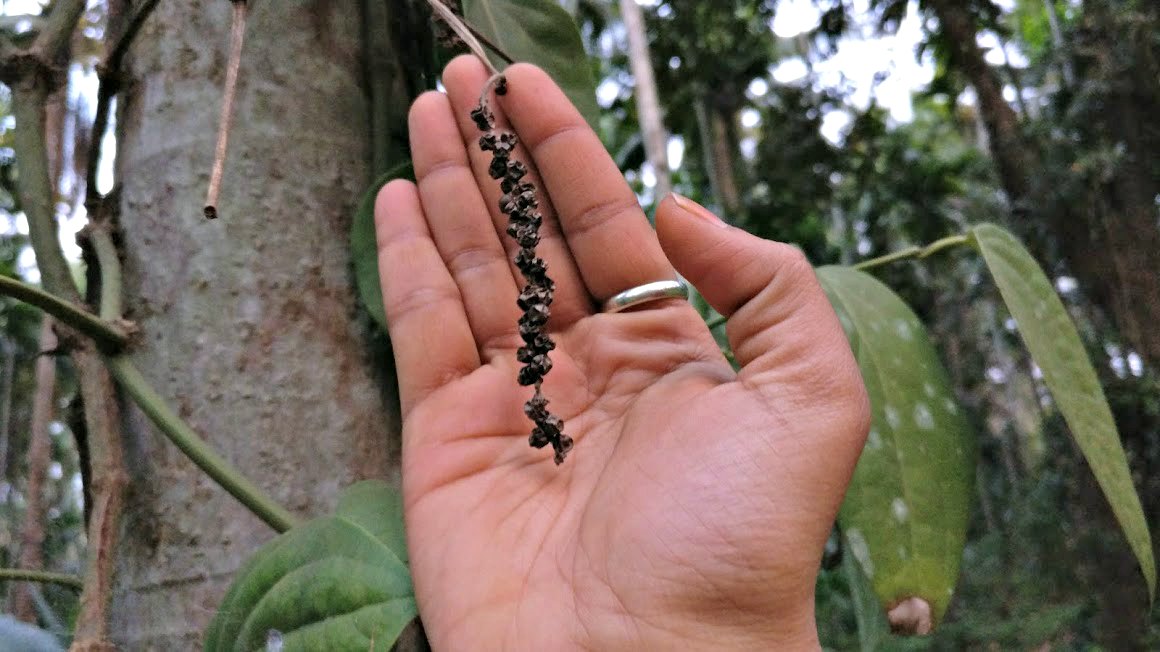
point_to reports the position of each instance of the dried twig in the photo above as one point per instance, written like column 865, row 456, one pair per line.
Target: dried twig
column 237, row 39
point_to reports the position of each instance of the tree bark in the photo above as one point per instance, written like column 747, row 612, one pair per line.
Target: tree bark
column 1011, row 156
column 1128, row 120
column 39, row 457
column 648, row 106
column 249, row 325
column 724, row 151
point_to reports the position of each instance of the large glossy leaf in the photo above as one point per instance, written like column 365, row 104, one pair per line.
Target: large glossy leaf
column 364, row 250
column 336, row 583
column 1056, row 348
column 905, row 515
column 543, row 33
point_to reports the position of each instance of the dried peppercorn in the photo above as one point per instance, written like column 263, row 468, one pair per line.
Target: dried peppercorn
column 520, row 205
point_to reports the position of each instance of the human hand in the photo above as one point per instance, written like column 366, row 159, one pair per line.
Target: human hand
column 693, row 510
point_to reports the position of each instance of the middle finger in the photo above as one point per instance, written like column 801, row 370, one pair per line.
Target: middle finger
column 464, row 77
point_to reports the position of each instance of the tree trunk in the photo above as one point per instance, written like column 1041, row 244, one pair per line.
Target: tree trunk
column 724, row 150
column 1010, row 152
column 39, row 457
column 1124, row 60
column 648, row 106
column 248, row 323
column 1111, row 245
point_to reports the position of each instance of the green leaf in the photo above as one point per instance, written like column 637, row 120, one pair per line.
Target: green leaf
column 543, row 33
column 872, row 626
column 336, row 583
column 1056, row 348
column 364, row 250
column 906, row 512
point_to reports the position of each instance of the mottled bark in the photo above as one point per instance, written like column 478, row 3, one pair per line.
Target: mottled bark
column 248, row 323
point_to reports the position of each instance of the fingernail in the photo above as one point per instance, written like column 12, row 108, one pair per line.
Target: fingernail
column 700, row 211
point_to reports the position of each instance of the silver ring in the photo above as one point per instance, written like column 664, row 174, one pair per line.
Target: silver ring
column 646, row 293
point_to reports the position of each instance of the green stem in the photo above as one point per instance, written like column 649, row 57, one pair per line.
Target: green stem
column 716, row 322
column 194, row 447
column 916, row 253
column 108, row 335
column 43, row 577
column 110, row 265
column 28, row 101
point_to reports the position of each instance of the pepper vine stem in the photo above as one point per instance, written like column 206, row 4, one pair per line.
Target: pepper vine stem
column 914, row 253
column 107, row 334
column 110, row 265
column 42, row 577
column 226, row 121
column 196, row 449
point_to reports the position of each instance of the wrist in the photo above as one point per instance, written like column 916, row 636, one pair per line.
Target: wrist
column 722, row 631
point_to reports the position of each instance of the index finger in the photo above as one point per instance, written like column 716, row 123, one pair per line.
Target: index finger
column 607, row 232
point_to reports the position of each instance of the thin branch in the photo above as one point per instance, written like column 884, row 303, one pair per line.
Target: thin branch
column 226, row 121
column 108, row 335
column 194, row 447
column 39, row 456
column 458, row 25
column 105, row 93
column 61, row 579
column 109, row 76
column 914, row 253
column 116, row 53
column 110, row 263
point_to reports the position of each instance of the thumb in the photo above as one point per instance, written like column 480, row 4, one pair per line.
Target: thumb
column 777, row 313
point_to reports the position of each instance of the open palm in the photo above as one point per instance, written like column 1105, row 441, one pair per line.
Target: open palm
column 693, row 510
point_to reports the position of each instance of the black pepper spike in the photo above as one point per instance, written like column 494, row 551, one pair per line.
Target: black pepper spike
column 519, row 203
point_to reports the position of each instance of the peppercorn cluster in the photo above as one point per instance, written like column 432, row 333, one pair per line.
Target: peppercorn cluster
column 520, row 205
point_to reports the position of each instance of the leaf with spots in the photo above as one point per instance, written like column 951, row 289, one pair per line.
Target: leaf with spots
column 906, row 512
column 1057, row 350
column 543, row 33
column 339, row 582
column 363, row 248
